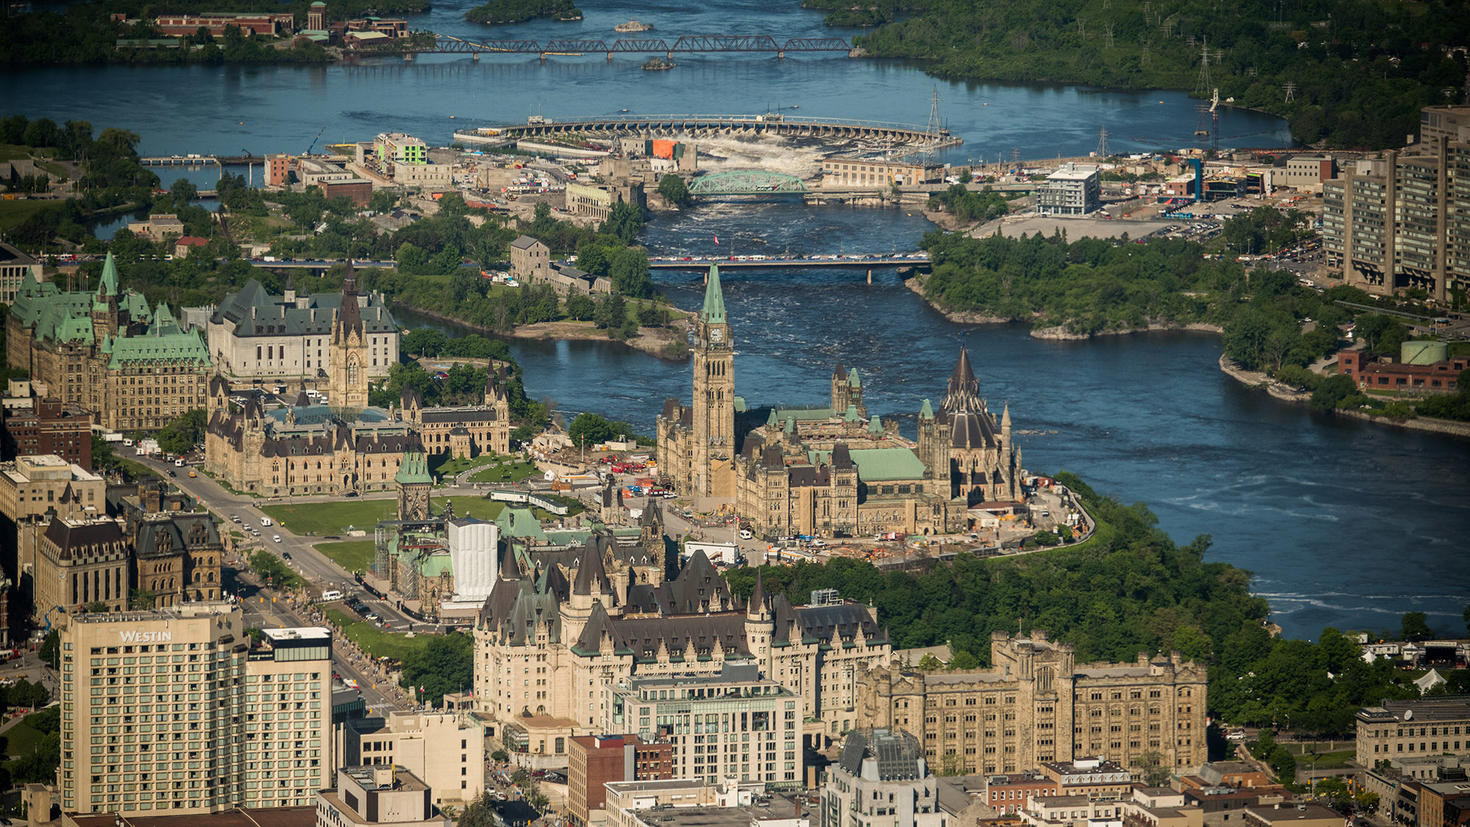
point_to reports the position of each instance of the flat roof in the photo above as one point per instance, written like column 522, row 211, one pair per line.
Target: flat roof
column 298, row 633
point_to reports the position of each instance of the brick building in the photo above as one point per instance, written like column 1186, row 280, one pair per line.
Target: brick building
column 1371, row 374
column 186, row 25
column 50, row 427
column 594, row 760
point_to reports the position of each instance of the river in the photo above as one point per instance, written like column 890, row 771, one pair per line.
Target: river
column 1344, row 524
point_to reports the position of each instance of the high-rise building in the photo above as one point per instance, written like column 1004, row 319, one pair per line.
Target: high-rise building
column 1402, row 221
column 881, row 780
column 177, row 711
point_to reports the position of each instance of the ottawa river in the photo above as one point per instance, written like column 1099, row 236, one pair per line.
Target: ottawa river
column 1344, row 524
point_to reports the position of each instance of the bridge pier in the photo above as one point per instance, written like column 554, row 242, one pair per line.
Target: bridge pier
column 780, row 54
column 870, row 275
column 475, row 56
column 408, row 57
column 609, row 57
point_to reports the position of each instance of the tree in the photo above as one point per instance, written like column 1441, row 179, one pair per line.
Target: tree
column 445, row 665
column 674, row 190
column 183, row 192
column 624, row 221
column 580, row 307
column 480, row 812
column 1415, row 626
column 929, row 663
column 611, row 311
column 591, row 428
column 183, row 432
column 1155, row 773
column 50, row 649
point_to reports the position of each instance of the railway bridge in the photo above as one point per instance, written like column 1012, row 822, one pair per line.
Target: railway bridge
column 579, row 46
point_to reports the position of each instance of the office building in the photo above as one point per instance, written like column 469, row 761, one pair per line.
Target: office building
column 81, row 563
column 445, row 749
column 15, row 266
column 875, row 173
column 177, row 712
column 49, row 427
column 379, row 795
column 732, row 725
column 1417, row 727
column 1036, row 705
column 881, row 780
column 1074, row 189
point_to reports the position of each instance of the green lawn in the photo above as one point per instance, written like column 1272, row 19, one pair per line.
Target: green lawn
column 18, row 152
column 23, row 738
column 375, row 641
column 352, row 555
column 1335, row 760
column 513, row 471
column 321, row 519
column 15, row 213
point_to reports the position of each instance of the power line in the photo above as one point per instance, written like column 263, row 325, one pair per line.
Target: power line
column 1102, row 142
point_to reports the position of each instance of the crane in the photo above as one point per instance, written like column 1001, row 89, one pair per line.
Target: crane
column 324, row 129
column 1215, row 119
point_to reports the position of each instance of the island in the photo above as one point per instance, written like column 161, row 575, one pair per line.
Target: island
column 498, row 12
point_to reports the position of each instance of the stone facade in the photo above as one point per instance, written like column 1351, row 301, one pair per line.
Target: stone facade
column 255, row 335
column 134, row 367
column 561, row 625
column 80, row 563
column 486, row 427
column 696, row 443
column 881, row 780
column 1035, row 705
column 176, row 558
column 833, row 469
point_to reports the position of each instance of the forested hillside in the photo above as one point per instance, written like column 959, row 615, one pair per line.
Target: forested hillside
column 1361, row 69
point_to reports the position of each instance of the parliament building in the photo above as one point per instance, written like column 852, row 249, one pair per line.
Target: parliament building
column 833, row 469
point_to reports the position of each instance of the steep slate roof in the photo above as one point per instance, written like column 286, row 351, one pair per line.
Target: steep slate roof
column 698, row 588
column 254, row 312
column 69, row 538
column 591, row 576
column 713, row 311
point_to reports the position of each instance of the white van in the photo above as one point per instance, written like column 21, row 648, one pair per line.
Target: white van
column 331, row 594
column 178, row 463
column 265, row 521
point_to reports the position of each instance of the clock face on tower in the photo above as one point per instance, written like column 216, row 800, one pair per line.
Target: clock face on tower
column 717, row 334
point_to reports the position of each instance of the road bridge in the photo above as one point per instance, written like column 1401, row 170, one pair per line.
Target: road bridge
column 696, row 126
column 579, row 46
column 746, row 182
column 853, row 262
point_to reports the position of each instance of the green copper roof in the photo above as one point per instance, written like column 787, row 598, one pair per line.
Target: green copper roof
column 771, row 420
column 435, row 564
column 887, row 464
column 413, row 469
column 804, row 414
column 713, row 311
column 108, row 285
column 926, row 412
column 520, row 522
column 851, row 414
column 875, row 425
column 159, row 347
column 790, row 425
column 852, row 379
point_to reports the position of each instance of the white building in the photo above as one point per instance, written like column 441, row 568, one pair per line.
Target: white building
column 881, row 780
column 176, row 712
column 14, row 265
column 1074, row 189
column 474, row 559
column 378, row 795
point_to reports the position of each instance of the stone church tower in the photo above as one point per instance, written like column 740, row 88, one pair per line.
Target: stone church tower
column 414, row 484
column 347, row 389
column 712, row 452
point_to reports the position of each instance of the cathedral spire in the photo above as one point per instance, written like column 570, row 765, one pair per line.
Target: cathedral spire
column 107, row 285
column 963, row 393
column 713, row 311
column 757, row 604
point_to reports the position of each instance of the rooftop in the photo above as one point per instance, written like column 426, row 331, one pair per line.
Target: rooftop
column 1448, row 708
column 296, row 633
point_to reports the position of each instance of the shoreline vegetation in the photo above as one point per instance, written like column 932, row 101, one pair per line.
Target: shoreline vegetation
column 504, row 12
column 664, row 343
column 1359, row 70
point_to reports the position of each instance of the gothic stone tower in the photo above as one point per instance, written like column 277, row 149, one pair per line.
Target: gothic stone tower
column 414, row 484
column 347, row 379
column 713, row 448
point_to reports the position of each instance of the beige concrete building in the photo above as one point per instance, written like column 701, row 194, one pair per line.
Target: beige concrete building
column 33, row 485
column 1399, row 729
column 158, row 228
column 876, row 173
column 732, row 725
column 15, row 266
column 1035, row 705
column 445, row 749
column 175, row 712
column 1304, row 172
column 378, row 795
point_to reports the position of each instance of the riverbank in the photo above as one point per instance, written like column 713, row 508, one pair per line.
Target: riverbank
column 915, row 284
column 1287, row 393
column 663, row 342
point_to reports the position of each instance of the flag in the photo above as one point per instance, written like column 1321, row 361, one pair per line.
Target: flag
column 717, row 241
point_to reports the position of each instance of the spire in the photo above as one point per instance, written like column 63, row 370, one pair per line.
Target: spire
column 108, row 285
column 510, row 569
column 413, row 469
column 590, row 573
column 713, row 311
column 349, row 316
column 852, row 379
column 757, row 604
column 840, row 372
column 875, row 426
column 927, row 411
column 1005, row 417
column 963, row 391
column 771, row 420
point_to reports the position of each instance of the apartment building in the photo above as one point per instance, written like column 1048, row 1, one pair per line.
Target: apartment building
column 881, row 780
column 1074, row 189
column 178, row 712
column 594, row 760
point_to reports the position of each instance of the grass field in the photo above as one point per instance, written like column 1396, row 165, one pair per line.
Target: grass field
column 23, row 738
column 373, row 640
column 321, row 519
column 352, row 555
column 504, row 472
column 15, row 213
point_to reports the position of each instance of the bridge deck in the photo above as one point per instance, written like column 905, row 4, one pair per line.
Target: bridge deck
column 789, row 263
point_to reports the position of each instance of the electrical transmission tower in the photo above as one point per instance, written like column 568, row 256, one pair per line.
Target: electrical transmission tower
column 1102, row 142
column 1204, row 83
column 1108, row 34
column 933, row 128
column 1290, row 89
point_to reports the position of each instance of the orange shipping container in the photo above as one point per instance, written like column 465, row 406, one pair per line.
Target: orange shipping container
column 663, row 148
